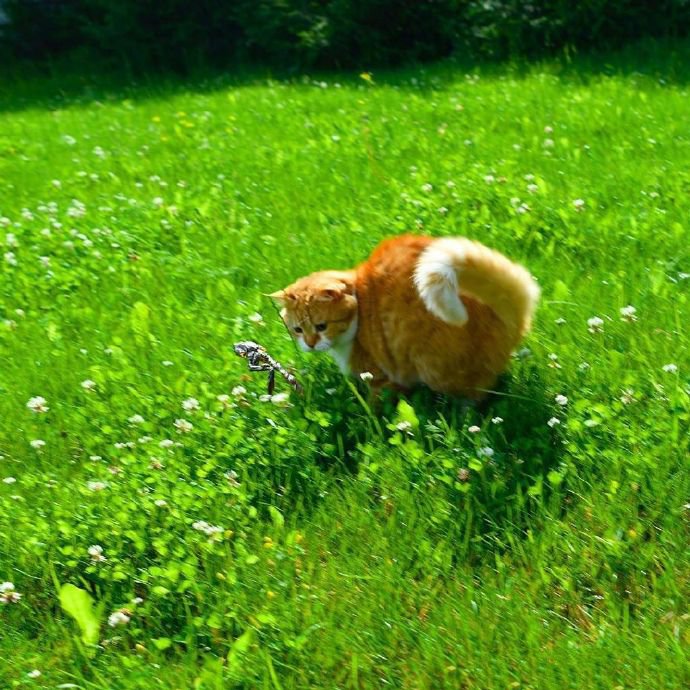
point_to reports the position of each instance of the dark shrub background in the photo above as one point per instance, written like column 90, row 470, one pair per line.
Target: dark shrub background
column 183, row 34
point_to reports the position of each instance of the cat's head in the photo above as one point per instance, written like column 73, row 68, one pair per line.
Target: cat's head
column 320, row 310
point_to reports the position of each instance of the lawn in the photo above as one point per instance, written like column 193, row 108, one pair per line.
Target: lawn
column 220, row 539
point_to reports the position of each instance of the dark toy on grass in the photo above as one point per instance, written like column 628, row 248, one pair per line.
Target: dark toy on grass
column 259, row 360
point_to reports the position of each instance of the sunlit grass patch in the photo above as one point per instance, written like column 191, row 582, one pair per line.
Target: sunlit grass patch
column 234, row 540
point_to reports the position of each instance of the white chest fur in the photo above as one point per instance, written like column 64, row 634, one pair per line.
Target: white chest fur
column 342, row 350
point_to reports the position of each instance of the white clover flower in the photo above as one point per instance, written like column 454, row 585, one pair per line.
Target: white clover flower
column 11, row 240
column 532, row 188
column 34, row 674
column 136, row 419
column 37, row 404
column 595, row 325
column 69, row 140
column 485, row 452
column 137, row 600
column 98, row 151
column 10, row 597
column 584, row 366
column 190, row 404
column 670, row 368
column 96, row 485
column 144, row 439
column 589, row 423
column 183, row 426
column 427, row 188
column 554, row 421
column 158, row 201
column 579, row 204
column 256, row 318
column 88, row 384
column 167, row 363
column 560, row 321
column 548, row 129
column 280, row 398
column 554, row 363
column 160, row 502
column 166, row 443
column 120, row 617
column 56, row 183
column 95, row 551
column 497, row 420
column 366, row 376
column 206, row 528
column 561, row 400
column 548, row 143
column 11, row 259
column 474, row 429
column 489, row 179
column 628, row 313
column 403, row 426
column 37, row 443
column 8, row 593
column 9, row 480
column 237, row 391
column 628, row 396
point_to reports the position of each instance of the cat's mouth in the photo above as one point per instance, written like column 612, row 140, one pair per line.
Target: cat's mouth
column 321, row 346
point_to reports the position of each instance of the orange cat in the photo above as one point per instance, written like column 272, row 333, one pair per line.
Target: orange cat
column 442, row 312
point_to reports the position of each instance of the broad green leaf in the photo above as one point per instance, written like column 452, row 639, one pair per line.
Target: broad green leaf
column 79, row 604
column 407, row 414
column 239, row 648
column 277, row 517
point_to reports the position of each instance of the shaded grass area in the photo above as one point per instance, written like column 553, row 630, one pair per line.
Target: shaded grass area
column 61, row 82
column 354, row 547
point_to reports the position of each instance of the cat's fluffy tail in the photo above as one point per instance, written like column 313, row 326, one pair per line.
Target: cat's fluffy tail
column 451, row 266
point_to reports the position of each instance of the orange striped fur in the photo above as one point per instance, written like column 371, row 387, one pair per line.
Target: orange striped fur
column 446, row 313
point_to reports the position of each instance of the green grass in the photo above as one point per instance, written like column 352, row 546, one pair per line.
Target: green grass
column 354, row 554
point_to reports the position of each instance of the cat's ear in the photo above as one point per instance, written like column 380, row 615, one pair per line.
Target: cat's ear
column 332, row 293
column 280, row 297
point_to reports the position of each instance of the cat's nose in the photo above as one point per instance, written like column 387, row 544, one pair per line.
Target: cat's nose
column 311, row 340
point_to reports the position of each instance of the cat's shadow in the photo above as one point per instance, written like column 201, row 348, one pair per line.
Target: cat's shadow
column 518, row 482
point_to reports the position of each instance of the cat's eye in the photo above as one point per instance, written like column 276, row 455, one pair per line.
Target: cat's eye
column 320, row 326
column 297, row 329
